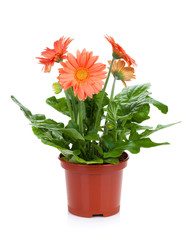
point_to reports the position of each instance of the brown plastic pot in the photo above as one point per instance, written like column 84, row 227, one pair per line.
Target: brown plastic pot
column 93, row 189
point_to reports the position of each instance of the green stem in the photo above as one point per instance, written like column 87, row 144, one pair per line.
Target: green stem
column 113, row 89
column 115, row 135
column 73, row 104
column 92, row 154
column 80, row 111
column 98, row 117
column 123, row 123
column 84, row 153
column 89, row 149
column 69, row 104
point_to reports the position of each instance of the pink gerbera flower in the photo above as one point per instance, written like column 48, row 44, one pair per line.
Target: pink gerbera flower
column 83, row 74
column 50, row 56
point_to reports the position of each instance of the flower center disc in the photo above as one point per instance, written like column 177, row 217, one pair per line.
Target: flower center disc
column 81, row 74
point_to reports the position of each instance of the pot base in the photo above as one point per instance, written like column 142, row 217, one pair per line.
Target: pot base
column 89, row 214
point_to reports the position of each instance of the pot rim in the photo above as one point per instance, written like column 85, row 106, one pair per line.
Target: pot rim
column 92, row 168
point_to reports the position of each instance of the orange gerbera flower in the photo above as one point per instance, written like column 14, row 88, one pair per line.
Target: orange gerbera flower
column 50, row 56
column 119, row 52
column 121, row 72
column 82, row 73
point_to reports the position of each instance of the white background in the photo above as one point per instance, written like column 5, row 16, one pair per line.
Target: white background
column 157, row 193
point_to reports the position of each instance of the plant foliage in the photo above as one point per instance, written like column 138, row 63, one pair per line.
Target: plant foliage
column 121, row 131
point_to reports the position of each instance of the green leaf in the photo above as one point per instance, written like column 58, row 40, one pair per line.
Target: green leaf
column 133, row 93
column 136, row 126
column 49, row 139
column 72, row 133
column 162, row 107
column 76, row 159
column 55, row 143
column 147, row 132
column 68, row 154
column 112, row 160
column 142, row 114
column 97, row 98
column 109, row 142
column 112, row 114
column 59, row 104
column 99, row 149
column 38, row 117
column 49, row 131
column 48, row 123
column 92, row 135
column 132, row 146
column 72, row 124
column 26, row 111
column 91, row 108
column 133, row 103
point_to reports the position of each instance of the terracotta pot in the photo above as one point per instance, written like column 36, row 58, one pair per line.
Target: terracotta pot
column 93, row 189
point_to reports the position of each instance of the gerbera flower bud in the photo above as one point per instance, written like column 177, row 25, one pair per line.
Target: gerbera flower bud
column 120, row 72
column 83, row 74
column 56, row 88
column 119, row 52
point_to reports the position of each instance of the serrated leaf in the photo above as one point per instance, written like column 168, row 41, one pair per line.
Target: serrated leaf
column 112, row 114
column 147, row 132
column 132, row 146
column 136, row 126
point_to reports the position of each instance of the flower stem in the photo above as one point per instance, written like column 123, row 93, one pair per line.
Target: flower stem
column 115, row 135
column 73, row 104
column 84, row 153
column 69, row 104
column 80, row 111
column 98, row 117
column 113, row 89
column 92, row 154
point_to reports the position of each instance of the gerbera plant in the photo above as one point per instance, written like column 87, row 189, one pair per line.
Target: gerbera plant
column 85, row 138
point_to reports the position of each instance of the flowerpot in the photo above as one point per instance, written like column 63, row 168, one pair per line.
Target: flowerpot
column 93, row 190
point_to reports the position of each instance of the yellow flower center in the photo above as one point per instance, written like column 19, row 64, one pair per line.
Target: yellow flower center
column 81, row 74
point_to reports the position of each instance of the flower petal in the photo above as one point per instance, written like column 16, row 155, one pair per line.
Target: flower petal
column 72, row 60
